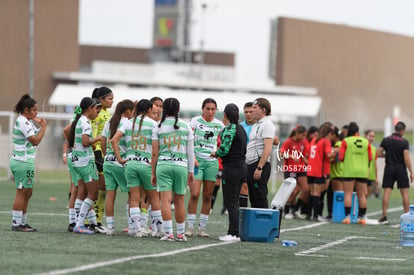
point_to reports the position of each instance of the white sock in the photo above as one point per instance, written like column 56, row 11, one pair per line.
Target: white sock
column 134, row 225
column 110, row 222
column 168, row 227
column 191, row 221
column 143, row 220
column 180, row 228
column 203, row 222
column 86, row 205
column 24, row 218
column 17, row 217
column 157, row 224
column 78, row 205
column 72, row 215
column 92, row 217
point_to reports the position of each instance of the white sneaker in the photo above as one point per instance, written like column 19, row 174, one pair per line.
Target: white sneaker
column 229, row 238
column 321, row 219
column 110, row 231
column 181, row 238
column 189, row 232
column 289, row 216
column 168, row 237
column 202, row 233
column 298, row 215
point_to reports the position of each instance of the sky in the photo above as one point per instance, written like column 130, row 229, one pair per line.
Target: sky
column 239, row 26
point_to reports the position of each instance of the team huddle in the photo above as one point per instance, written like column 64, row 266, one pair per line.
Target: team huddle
column 146, row 150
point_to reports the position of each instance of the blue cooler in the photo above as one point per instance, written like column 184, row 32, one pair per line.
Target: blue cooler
column 259, row 225
column 339, row 209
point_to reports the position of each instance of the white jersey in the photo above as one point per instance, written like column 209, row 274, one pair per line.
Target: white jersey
column 205, row 137
column 82, row 155
column 139, row 144
column 172, row 142
column 23, row 149
column 262, row 129
column 109, row 154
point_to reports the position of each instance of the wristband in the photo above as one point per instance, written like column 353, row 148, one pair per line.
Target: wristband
column 259, row 168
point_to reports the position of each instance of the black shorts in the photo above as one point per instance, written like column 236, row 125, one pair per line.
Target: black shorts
column 362, row 180
column 99, row 160
column 294, row 175
column 391, row 175
column 316, row 180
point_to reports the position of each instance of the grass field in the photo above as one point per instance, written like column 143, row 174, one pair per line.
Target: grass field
column 323, row 248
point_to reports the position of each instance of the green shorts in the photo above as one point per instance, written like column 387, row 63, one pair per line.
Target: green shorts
column 23, row 172
column 72, row 172
column 172, row 178
column 86, row 173
column 207, row 170
column 138, row 174
column 114, row 177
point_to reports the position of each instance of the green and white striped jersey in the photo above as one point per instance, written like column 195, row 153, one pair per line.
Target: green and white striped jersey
column 205, row 137
column 109, row 154
column 82, row 155
column 23, row 149
column 139, row 144
column 172, row 142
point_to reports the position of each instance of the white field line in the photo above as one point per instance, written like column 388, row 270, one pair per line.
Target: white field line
column 327, row 245
column 127, row 259
column 381, row 259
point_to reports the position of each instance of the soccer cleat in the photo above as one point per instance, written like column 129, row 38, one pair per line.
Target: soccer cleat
column 17, row 228
column 229, row 238
column 83, row 230
column 289, row 216
column 99, row 228
column 361, row 220
column 202, row 233
column 189, row 232
column 143, row 233
column 383, row 220
column 28, row 228
column 168, row 237
column 125, row 230
column 347, row 220
column 181, row 238
column 71, row 226
column 110, row 232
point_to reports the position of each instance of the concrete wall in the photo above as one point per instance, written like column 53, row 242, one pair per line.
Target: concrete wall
column 55, row 47
column 360, row 74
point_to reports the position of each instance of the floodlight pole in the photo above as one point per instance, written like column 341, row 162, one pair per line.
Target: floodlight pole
column 31, row 48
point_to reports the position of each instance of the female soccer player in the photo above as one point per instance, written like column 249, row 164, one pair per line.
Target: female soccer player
column 206, row 130
column 113, row 169
column 22, row 162
column 80, row 140
column 172, row 166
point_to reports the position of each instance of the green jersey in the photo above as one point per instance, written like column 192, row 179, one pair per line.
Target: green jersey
column 81, row 155
column 336, row 166
column 356, row 154
column 372, row 166
column 205, row 137
column 172, row 142
column 139, row 141
column 23, row 149
column 109, row 154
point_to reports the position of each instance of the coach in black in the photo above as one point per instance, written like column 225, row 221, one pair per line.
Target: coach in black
column 395, row 149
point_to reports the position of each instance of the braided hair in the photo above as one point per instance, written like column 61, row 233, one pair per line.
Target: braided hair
column 171, row 107
column 142, row 108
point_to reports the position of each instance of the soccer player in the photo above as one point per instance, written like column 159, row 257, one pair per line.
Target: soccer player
column 113, row 169
column 355, row 152
column 172, row 166
column 26, row 136
column 80, row 140
column 206, row 130
column 106, row 97
column 372, row 178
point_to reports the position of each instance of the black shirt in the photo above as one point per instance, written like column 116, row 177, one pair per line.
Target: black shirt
column 233, row 145
column 394, row 147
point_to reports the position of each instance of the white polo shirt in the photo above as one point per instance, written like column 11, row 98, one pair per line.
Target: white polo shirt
column 262, row 129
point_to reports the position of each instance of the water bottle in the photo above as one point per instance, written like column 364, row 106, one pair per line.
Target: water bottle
column 407, row 228
column 289, row 243
column 195, row 170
